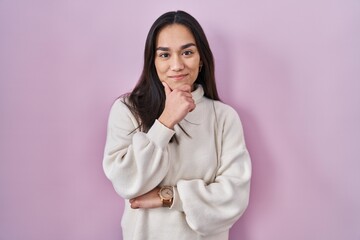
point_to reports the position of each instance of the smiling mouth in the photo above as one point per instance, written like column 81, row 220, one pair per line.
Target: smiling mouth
column 178, row 77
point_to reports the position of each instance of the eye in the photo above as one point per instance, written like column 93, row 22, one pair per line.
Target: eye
column 164, row 55
column 187, row 52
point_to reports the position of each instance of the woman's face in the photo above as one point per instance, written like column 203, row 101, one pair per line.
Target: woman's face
column 177, row 59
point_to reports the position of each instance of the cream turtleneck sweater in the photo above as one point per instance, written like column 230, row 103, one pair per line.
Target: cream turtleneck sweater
column 210, row 171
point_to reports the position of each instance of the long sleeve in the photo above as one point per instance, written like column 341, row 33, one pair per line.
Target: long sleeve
column 215, row 207
column 135, row 162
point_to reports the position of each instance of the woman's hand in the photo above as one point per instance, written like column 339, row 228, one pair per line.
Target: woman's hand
column 148, row 200
column 178, row 104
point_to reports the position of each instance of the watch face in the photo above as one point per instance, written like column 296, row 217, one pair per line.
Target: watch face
column 166, row 192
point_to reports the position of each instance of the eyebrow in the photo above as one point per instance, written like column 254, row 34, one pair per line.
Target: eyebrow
column 182, row 47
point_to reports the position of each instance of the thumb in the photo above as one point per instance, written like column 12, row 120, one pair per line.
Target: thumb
column 166, row 88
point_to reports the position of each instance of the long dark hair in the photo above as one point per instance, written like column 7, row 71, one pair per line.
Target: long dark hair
column 147, row 100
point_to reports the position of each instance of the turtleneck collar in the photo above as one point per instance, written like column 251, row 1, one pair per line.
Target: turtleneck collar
column 198, row 93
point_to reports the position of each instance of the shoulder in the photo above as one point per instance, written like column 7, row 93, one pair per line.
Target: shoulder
column 225, row 110
column 120, row 104
column 120, row 107
column 121, row 115
column 227, row 117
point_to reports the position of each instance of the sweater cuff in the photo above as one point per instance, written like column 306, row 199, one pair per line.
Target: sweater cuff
column 177, row 204
column 160, row 134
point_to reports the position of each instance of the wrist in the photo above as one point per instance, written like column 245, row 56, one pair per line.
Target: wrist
column 167, row 122
column 166, row 195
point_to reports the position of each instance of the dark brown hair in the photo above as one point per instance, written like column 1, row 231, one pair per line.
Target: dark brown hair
column 147, row 100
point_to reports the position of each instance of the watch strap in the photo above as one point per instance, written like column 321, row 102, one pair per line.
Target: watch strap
column 167, row 202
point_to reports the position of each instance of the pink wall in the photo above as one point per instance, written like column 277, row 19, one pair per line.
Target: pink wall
column 290, row 68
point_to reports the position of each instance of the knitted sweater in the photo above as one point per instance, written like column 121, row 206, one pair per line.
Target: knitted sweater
column 210, row 170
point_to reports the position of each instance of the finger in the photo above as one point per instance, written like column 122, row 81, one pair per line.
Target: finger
column 134, row 204
column 134, row 207
column 185, row 88
column 192, row 107
column 166, row 88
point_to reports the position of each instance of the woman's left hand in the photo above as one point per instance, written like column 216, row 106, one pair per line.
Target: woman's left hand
column 148, row 200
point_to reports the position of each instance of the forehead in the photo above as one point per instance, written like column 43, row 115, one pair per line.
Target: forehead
column 174, row 35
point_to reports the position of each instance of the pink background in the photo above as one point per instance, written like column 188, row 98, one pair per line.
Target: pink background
column 290, row 68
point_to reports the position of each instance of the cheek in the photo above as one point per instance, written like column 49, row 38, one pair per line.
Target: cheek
column 195, row 67
column 160, row 68
column 195, row 63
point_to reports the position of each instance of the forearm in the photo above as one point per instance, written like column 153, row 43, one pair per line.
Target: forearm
column 137, row 162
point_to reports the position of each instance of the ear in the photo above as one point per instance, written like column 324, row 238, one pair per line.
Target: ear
column 200, row 65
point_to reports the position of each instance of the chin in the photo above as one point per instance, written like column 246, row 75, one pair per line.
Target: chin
column 177, row 85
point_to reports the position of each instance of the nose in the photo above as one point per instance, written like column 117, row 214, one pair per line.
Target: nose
column 176, row 64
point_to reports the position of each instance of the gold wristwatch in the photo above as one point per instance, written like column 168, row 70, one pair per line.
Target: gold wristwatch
column 166, row 195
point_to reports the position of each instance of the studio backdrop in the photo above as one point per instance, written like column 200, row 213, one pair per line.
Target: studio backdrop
column 291, row 69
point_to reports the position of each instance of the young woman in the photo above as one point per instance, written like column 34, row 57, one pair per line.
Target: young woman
column 174, row 151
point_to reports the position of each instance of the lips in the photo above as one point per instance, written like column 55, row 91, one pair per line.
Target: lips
column 178, row 77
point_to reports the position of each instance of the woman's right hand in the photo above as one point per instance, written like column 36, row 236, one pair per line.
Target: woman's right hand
column 178, row 104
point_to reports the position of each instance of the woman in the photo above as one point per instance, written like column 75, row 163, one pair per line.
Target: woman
column 173, row 150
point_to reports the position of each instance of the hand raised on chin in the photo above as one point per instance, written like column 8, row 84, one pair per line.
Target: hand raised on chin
column 178, row 104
